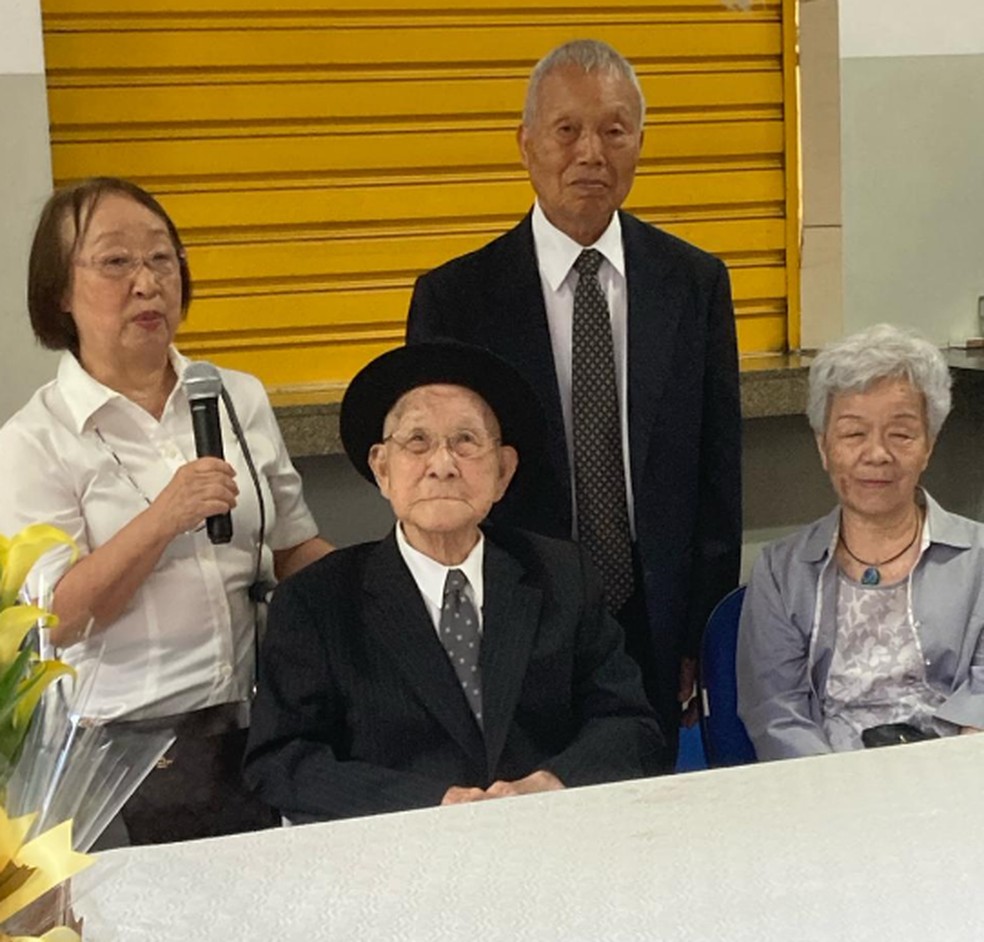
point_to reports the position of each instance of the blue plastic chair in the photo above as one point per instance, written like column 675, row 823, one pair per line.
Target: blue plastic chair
column 725, row 739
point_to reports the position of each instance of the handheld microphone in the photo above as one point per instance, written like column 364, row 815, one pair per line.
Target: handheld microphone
column 203, row 386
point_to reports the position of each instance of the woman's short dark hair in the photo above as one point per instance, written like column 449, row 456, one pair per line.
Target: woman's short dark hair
column 50, row 267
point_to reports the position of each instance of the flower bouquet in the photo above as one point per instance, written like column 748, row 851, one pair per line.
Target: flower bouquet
column 62, row 778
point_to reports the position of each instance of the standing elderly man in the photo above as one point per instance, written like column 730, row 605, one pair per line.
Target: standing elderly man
column 445, row 663
column 628, row 336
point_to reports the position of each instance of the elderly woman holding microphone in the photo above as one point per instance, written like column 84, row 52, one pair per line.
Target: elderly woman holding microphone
column 865, row 628
column 106, row 452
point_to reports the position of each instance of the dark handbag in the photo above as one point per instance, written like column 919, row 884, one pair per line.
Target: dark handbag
column 893, row 734
column 197, row 788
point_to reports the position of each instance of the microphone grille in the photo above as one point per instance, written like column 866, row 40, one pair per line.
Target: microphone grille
column 201, row 380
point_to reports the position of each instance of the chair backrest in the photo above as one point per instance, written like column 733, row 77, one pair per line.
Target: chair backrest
column 725, row 739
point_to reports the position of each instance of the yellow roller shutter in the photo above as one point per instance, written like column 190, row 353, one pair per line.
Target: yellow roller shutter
column 318, row 157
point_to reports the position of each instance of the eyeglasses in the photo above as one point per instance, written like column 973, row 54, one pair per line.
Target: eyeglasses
column 462, row 444
column 121, row 264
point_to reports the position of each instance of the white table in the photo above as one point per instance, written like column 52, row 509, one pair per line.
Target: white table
column 882, row 845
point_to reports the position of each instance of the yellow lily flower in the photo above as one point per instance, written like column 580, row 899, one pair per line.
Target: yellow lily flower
column 58, row 934
column 27, row 871
column 48, row 859
column 23, row 677
column 19, row 554
column 15, row 623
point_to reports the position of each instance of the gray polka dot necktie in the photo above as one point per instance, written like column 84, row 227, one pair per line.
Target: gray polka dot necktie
column 599, row 470
column 460, row 636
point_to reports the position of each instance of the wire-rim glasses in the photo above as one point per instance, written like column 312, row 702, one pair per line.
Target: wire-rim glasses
column 465, row 443
column 122, row 263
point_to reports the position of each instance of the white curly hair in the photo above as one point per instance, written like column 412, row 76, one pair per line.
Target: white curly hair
column 884, row 351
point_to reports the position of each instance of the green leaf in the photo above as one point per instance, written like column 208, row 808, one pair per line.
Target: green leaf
column 10, row 680
column 16, row 718
column 41, row 675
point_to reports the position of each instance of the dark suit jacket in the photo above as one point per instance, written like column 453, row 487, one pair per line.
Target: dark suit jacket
column 684, row 412
column 359, row 710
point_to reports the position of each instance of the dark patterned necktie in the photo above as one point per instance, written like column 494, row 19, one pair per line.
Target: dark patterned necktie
column 599, row 470
column 460, row 636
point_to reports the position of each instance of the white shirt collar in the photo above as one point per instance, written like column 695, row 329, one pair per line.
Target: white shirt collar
column 85, row 396
column 557, row 252
column 430, row 575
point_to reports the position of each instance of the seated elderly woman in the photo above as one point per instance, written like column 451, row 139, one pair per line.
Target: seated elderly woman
column 448, row 662
column 866, row 626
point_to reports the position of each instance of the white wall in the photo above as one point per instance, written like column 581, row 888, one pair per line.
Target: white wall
column 911, row 28
column 21, row 51
column 25, row 182
column 912, row 134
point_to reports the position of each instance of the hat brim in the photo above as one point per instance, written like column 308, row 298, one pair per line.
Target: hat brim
column 378, row 386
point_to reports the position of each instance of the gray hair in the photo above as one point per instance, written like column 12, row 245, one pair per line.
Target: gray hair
column 591, row 55
column 884, row 351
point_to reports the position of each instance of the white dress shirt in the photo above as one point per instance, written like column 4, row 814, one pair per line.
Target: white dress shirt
column 86, row 459
column 430, row 576
column 556, row 253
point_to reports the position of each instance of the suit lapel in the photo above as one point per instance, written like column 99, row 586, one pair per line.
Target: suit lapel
column 524, row 338
column 510, row 616
column 653, row 319
column 395, row 613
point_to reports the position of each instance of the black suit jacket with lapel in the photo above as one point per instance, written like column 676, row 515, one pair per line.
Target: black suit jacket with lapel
column 359, row 711
column 684, row 412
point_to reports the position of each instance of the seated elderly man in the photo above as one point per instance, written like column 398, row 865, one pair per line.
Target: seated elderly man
column 445, row 663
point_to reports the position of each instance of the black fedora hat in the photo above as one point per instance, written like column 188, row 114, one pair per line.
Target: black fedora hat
column 378, row 386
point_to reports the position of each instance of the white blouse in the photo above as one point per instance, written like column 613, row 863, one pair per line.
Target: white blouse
column 86, row 459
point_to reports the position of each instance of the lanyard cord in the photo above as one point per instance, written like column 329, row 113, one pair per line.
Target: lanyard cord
column 258, row 590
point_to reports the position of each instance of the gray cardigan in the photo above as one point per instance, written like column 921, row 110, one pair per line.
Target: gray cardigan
column 786, row 635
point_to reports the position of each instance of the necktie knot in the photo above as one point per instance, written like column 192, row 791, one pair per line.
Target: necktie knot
column 454, row 582
column 588, row 262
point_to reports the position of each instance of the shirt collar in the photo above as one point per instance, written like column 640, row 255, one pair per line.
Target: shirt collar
column 945, row 527
column 940, row 527
column 430, row 575
column 85, row 396
column 556, row 252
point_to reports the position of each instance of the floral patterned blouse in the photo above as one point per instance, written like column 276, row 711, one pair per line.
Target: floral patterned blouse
column 877, row 673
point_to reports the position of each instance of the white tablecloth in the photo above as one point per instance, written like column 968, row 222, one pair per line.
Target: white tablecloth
column 881, row 845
